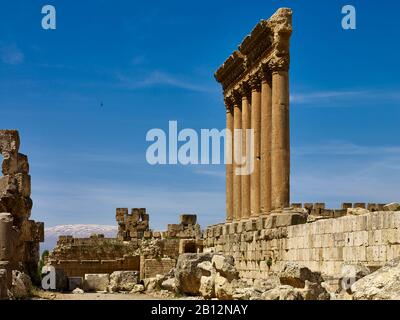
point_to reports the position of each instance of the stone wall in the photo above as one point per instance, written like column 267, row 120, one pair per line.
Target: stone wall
column 78, row 268
column 159, row 249
column 264, row 245
column 153, row 267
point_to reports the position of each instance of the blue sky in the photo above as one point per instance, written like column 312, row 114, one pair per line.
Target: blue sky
column 151, row 62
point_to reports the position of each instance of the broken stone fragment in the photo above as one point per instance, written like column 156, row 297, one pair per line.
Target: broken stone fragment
column 357, row 211
column 395, row 206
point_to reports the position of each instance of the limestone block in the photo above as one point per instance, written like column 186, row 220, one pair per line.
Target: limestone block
column 270, row 222
column 339, row 213
column 251, row 225
column 360, row 238
column 394, row 206
column 349, row 239
column 188, row 219
column 232, row 228
column 359, row 205
column 289, row 219
column 359, row 223
column 356, row 211
column 96, row 282
column 347, row 205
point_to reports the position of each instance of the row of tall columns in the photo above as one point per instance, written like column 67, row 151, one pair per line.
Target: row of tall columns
column 261, row 104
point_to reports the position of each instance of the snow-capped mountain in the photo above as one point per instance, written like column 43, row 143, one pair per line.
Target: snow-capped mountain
column 77, row 230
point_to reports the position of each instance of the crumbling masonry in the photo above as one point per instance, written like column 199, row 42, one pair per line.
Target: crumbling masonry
column 136, row 248
column 19, row 236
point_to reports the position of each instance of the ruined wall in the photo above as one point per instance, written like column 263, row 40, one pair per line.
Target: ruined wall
column 264, row 245
column 153, row 267
column 18, row 233
column 79, row 256
column 78, row 268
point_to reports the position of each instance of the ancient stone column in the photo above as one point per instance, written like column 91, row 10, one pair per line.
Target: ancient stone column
column 280, row 139
column 6, row 245
column 246, row 124
column 255, row 84
column 266, row 118
column 229, row 159
column 6, row 236
column 237, row 151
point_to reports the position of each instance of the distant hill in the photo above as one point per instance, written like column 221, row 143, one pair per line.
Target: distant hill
column 77, row 230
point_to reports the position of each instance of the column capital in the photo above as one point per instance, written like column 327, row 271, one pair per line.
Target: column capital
column 236, row 98
column 245, row 90
column 265, row 73
column 228, row 103
column 255, row 82
column 279, row 63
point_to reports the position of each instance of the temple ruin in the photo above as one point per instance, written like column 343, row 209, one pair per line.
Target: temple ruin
column 136, row 248
column 19, row 236
column 263, row 230
column 255, row 81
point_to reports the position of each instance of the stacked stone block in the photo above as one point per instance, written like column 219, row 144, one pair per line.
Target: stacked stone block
column 134, row 225
column 15, row 191
column 262, row 246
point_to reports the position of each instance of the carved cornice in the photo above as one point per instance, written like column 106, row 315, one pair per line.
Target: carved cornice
column 231, row 70
column 267, row 45
column 281, row 24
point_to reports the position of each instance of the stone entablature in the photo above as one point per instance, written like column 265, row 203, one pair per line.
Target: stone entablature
column 255, row 81
column 262, row 246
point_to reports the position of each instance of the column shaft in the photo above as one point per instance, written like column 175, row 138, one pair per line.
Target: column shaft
column 266, row 118
column 246, row 122
column 237, row 151
column 256, row 155
column 229, row 163
column 280, row 143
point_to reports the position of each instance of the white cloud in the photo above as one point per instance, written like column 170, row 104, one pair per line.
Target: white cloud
column 11, row 54
column 156, row 78
column 347, row 98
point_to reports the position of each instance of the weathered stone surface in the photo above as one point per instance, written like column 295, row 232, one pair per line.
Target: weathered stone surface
column 296, row 275
column 21, row 285
column 123, row 280
column 357, row 211
column 169, row 284
column 395, row 206
column 187, row 273
column 382, row 284
column 96, row 282
column 224, row 265
column 223, row 288
column 137, row 288
column 283, row 292
column 247, row 294
column 266, row 284
column 352, row 273
column 151, row 284
column 207, row 286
